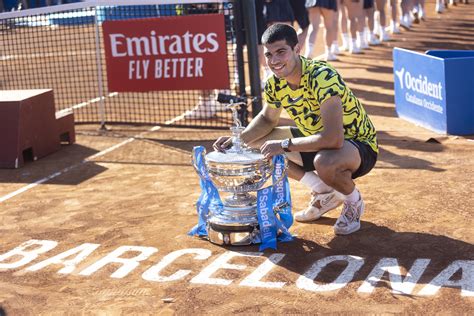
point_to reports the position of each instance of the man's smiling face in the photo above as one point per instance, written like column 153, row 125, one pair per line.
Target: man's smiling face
column 281, row 58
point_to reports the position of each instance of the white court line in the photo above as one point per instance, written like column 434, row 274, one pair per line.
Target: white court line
column 83, row 104
column 58, row 173
column 45, row 55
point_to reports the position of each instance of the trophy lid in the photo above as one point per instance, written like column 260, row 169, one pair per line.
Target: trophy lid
column 231, row 157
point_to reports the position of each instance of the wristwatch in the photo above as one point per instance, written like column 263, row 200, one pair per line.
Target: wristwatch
column 285, row 144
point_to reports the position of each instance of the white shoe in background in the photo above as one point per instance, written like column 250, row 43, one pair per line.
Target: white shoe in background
column 439, row 7
column 330, row 56
column 373, row 40
column 421, row 13
column 335, row 48
column 205, row 108
column 362, row 41
column 384, row 37
column 346, row 42
column 354, row 48
column 405, row 22
column 394, row 29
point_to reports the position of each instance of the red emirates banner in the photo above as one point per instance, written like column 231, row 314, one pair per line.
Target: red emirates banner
column 166, row 53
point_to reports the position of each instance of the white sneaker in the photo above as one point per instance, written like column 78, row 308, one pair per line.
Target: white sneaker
column 335, row 49
column 405, row 22
column 349, row 221
column 421, row 13
column 346, row 40
column 203, row 110
column 439, row 7
column 384, row 37
column 393, row 28
column 373, row 40
column 320, row 204
column 329, row 56
column 355, row 49
column 362, row 41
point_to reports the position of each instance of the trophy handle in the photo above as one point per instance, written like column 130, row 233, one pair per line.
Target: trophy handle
column 277, row 208
column 194, row 162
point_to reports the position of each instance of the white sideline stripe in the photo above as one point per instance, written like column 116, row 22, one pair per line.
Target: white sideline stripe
column 83, row 104
column 58, row 173
column 46, row 55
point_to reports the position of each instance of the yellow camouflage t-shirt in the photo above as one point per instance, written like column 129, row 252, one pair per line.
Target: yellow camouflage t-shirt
column 319, row 82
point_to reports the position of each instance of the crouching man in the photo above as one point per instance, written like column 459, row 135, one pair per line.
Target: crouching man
column 334, row 140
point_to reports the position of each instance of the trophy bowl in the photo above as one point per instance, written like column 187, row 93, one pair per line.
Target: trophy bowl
column 240, row 172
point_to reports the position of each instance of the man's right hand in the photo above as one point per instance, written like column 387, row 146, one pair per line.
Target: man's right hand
column 222, row 143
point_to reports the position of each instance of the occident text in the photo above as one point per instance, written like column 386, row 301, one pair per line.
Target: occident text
column 422, row 85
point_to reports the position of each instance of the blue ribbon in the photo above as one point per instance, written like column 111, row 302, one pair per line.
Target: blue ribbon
column 281, row 191
column 209, row 195
column 266, row 219
column 277, row 195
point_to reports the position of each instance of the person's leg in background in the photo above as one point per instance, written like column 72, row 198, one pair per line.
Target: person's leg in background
column 314, row 14
column 419, row 10
column 336, row 29
column 439, row 6
column 301, row 17
column 394, row 29
column 355, row 14
column 405, row 19
column 382, row 20
column 346, row 37
column 369, row 11
column 330, row 33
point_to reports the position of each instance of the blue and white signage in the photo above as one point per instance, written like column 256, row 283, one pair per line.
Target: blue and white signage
column 420, row 89
column 431, row 90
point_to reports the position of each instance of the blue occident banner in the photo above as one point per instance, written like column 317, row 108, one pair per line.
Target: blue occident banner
column 435, row 89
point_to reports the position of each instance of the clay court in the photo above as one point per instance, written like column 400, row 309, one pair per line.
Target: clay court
column 134, row 187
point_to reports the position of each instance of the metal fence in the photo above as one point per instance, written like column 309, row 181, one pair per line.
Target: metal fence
column 62, row 48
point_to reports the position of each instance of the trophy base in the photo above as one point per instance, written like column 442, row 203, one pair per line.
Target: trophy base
column 240, row 235
column 232, row 225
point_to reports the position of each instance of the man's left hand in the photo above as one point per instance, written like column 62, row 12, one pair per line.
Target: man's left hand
column 271, row 148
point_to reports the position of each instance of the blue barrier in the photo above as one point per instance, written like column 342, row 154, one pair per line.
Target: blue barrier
column 435, row 89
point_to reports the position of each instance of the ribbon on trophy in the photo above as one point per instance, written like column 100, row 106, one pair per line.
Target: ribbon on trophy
column 276, row 197
column 209, row 194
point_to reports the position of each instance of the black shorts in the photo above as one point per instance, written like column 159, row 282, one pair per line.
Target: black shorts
column 261, row 24
column 368, row 4
column 279, row 11
column 368, row 157
column 300, row 12
column 327, row 4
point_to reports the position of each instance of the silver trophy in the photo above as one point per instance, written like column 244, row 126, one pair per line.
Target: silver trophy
column 237, row 172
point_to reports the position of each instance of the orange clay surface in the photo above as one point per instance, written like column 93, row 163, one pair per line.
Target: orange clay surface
column 419, row 218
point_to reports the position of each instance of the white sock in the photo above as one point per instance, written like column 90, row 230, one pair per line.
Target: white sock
column 309, row 50
column 327, row 49
column 354, row 196
column 345, row 39
column 313, row 181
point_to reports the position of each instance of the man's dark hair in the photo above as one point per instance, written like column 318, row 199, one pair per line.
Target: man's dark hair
column 277, row 32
